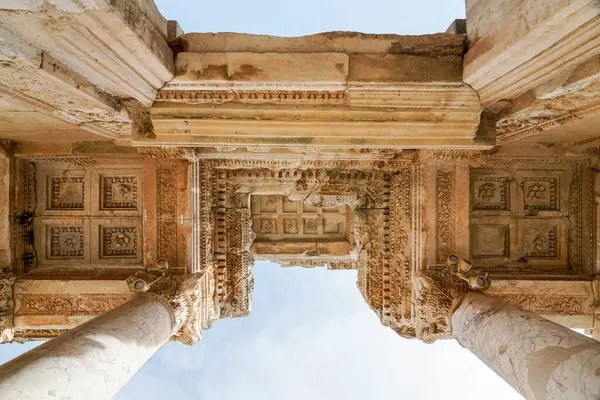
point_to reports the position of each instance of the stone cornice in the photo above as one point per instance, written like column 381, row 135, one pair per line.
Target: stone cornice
column 126, row 53
column 517, row 56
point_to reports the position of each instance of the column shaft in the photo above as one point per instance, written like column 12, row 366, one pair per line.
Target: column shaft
column 94, row 360
column 538, row 358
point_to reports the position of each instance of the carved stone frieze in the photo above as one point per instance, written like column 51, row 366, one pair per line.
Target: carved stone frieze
column 383, row 225
column 551, row 304
column 68, row 305
column 81, row 162
column 28, row 335
column 6, row 307
column 471, row 157
column 179, row 153
column 166, row 210
column 445, row 183
column 252, row 96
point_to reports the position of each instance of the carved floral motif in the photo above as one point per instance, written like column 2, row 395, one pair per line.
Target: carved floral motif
column 68, row 305
column 119, row 192
column 66, row 241
column 445, row 183
column 6, row 307
column 166, row 210
column 120, row 241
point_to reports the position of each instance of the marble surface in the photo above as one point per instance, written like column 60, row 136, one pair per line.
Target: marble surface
column 94, row 360
column 538, row 358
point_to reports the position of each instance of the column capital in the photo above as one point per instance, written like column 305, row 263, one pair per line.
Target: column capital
column 6, row 307
column 437, row 295
column 182, row 294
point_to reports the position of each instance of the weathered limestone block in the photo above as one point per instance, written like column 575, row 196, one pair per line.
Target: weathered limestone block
column 515, row 46
column 330, row 42
column 329, row 68
column 327, row 91
column 542, row 113
column 568, row 303
column 35, row 80
column 126, row 53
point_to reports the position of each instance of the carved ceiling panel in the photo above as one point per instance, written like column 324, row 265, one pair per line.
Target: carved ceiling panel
column 278, row 218
column 530, row 218
column 91, row 214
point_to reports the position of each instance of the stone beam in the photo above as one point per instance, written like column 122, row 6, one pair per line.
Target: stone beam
column 120, row 46
column 535, row 66
column 515, row 46
column 323, row 91
column 567, row 99
column 33, row 80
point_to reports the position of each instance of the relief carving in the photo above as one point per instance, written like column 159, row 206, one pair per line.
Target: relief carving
column 119, row 192
column 166, row 210
column 254, row 96
column 67, row 193
column 68, row 305
column 547, row 304
column 119, row 241
column 518, row 127
column 66, row 241
column 540, row 193
column 528, row 216
column 445, row 184
column 6, row 307
column 437, row 296
column 491, row 193
column 80, row 162
column 544, row 245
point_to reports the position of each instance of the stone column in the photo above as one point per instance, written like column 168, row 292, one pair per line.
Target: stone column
column 538, row 358
column 94, row 360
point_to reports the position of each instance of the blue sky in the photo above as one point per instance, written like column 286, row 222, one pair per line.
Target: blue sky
column 310, row 336
column 303, row 17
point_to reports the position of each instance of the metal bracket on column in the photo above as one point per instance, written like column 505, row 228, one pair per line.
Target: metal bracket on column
column 142, row 281
column 461, row 268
